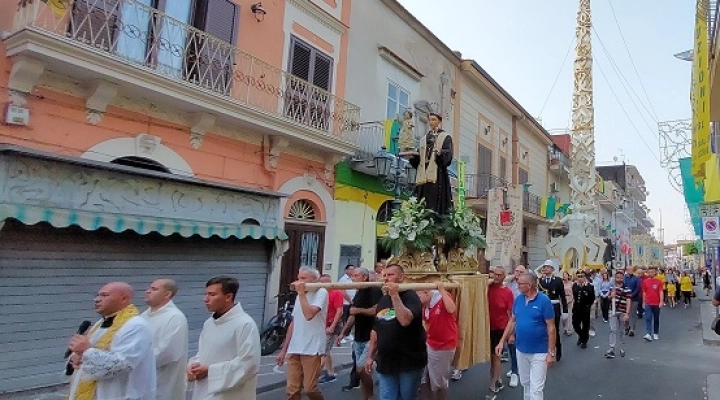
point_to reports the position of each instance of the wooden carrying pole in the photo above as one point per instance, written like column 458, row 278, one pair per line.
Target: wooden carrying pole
column 312, row 287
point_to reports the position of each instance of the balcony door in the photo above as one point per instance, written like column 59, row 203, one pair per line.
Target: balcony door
column 484, row 177
column 156, row 34
column 303, row 103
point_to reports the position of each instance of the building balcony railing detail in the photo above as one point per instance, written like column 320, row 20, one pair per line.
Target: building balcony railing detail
column 531, row 203
column 477, row 185
column 133, row 33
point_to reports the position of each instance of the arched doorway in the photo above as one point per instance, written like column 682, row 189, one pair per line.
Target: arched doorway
column 306, row 240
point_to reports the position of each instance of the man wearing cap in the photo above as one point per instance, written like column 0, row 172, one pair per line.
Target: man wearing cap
column 554, row 288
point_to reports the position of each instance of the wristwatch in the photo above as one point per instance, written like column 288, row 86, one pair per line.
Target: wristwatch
column 552, row 353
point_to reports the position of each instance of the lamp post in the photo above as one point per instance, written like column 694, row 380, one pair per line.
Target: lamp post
column 385, row 162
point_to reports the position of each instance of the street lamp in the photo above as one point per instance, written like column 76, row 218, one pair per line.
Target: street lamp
column 388, row 167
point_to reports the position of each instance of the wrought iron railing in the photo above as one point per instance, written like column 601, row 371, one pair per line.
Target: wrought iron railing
column 371, row 139
column 531, row 203
column 135, row 33
column 558, row 159
column 477, row 185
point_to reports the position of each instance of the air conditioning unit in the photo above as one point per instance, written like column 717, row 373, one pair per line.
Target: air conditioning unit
column 554, row 187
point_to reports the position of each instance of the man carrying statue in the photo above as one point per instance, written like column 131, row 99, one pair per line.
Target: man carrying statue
column 432, row 161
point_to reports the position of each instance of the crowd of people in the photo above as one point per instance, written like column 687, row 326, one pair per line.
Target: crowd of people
column 403, row 342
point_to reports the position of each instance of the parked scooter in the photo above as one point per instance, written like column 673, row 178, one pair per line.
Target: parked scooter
column 272, row 337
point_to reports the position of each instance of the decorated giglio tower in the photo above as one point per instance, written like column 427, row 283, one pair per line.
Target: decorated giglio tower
column 581, row 246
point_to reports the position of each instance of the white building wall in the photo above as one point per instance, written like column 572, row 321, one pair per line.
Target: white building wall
column 537, row 240
column 355, row 227
column 375, row 26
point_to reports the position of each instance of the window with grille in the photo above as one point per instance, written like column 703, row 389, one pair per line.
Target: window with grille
column 311, row 69
column 398, row 100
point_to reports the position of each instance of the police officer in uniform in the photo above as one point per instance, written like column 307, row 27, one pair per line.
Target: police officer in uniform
column 553, row 287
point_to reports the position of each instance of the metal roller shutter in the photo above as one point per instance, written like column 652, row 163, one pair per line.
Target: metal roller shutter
column 49, row 277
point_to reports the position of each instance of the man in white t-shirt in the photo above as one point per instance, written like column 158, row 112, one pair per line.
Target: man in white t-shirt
column 304, row 343
column 348, row 296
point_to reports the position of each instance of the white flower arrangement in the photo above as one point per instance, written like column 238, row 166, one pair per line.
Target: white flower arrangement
column 411, row 228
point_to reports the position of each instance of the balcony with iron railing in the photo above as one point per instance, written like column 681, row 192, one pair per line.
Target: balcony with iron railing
column 153, row 55
column 531, row 203
column 477, row 185
column 558, row 162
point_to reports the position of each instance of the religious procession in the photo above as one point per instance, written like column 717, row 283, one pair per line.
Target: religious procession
column 369, row 199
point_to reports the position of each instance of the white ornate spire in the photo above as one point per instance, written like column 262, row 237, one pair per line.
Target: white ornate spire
column 582, row 171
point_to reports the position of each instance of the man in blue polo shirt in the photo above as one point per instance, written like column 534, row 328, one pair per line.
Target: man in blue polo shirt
column 533, row 324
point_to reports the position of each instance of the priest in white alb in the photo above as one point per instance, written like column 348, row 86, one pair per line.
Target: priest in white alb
column 170, row 339
column 228, row 358
column 114, row 361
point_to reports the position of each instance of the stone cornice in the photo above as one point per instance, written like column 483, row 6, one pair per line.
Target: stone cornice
column 320, row 15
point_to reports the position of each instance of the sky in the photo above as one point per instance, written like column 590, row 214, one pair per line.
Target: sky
column 528, row 48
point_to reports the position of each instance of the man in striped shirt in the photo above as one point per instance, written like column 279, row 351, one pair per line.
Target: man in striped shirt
column 620, row 297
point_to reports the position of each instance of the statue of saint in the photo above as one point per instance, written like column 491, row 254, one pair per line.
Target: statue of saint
column 406, row 138
column 432, row 162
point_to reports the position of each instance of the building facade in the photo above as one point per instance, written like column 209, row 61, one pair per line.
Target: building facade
column 155, row 138
column 397, row 65
column 502, row 144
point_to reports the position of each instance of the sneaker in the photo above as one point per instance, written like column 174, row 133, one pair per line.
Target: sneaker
column 627, row 330
column 509, row 373
column 498, row 387
column 327, row 379
column 648, row 337
column 632, row 333
column 514, row 380
column 622, row 353
column 348, row 388
column 592, row 332
column 604, row 320
column 504, row 358
column 656, row 337
column 456, row 375
column 583, row 346
column 610, row 353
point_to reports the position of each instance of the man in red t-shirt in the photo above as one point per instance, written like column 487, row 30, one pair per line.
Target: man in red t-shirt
column 332, row 329
column 442, row 339
column 500, row 304
column 652, row 289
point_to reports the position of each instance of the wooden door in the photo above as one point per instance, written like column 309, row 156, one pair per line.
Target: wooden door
column 306, row 244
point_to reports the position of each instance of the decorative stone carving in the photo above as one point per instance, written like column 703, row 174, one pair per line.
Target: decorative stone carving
column 24, row 75
column 414, row 263
column 145, row 144
column 200, row 123
column 54, row 184
column 100, row 94
column 276, row 145
column 330, row 162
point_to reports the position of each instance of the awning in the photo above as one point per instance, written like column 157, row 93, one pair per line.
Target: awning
column 61, row 218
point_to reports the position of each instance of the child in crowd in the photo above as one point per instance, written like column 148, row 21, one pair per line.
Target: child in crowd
column 671, row 292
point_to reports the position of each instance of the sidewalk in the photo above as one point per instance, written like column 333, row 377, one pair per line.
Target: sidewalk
column 268, row 379
column 710, row 338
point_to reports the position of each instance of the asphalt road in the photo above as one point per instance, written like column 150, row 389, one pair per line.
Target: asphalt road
column 674, row 367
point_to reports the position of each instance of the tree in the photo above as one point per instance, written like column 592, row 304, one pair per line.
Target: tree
column 690, row 248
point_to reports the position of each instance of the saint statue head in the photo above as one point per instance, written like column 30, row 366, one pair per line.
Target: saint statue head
column 434, row 120
column 407, row 114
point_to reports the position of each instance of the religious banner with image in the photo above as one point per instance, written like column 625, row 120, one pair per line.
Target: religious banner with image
column 504, row 224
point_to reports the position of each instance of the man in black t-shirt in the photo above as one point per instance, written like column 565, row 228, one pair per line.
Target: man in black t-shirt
column 362, row 316
column 397, row 342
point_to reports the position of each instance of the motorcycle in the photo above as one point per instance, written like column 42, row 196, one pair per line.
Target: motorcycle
column 272, row 337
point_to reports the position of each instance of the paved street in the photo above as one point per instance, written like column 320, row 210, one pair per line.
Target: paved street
column 675, row 367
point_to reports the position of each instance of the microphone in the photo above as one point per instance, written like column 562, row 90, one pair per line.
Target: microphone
column 69, row 369
column 81, row 330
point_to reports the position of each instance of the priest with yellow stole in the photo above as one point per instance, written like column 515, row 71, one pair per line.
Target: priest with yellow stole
column 115, row 360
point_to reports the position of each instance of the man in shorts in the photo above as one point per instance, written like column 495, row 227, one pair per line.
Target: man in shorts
column 442, row 339
column 333, row 327
column 500, row 303
column 362, row 316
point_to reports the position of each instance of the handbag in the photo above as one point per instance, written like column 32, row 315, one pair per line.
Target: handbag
column 716, row 324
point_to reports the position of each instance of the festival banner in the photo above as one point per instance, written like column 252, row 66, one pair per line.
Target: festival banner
column 700, row 93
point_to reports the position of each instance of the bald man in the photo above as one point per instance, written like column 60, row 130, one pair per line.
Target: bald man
column 115, row 359
column 169, row 328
